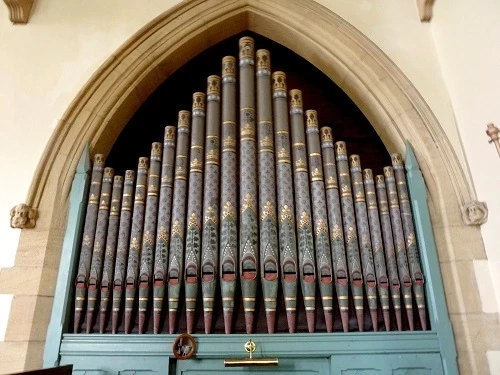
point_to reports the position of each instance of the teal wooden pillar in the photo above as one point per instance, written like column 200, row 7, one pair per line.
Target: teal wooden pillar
column 61, row 309
column 438, row 311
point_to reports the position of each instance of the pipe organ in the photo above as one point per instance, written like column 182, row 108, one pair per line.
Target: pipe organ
column 251, row 218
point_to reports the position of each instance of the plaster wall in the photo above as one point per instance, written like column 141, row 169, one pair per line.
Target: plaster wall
column 467, row 36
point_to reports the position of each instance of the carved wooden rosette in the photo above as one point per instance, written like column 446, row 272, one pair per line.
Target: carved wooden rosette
column 249, row 227
column 110, row 254
column 148, row 238
column 210, row 233
column 410, row 238
column 229, row 201
column 267, row 189
column 286, row 206
column 163, row 226
column 377, row 245
column 195, row 196
column 399, row 241
column 364, row 238
column 134, row 250
column 88, row 239
column 350, row 232
column 176, row 253
column 99, row 245
column 122, row 247
column 320, row 218
column 307, row 261
column 335, row 222
column 390, row 256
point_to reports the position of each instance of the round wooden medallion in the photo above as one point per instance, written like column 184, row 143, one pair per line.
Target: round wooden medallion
column 184, row 346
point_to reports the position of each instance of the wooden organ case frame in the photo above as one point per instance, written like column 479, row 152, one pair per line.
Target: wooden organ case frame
column 426, row 351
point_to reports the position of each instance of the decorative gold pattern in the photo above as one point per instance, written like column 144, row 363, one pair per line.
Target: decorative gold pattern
column 283, row 154
column 397, row 160
column 148, row 238
column 311, row 118
column 246, row 48
column 135, row 244
column 213, row 84
column 193, row 221
column 279, row 81
column 354, row 160
column 248, row 131
column 286, row 214
column 340, row 148
column 229, row 142
column 305, row 221
column 143, row 163
column 337, row 233
column 267, row 142
column 196, row 164
column 268, row 210
column 198, row 101
column 248, row 203
column 211, row 215
column 351, row 235
column 163, row 234
column 229, row 211
column 228, row 66
column 326, row 134
column 321, row 227
column 176, row 229
column 169, row 133
column 295, row 98
column 263, row 59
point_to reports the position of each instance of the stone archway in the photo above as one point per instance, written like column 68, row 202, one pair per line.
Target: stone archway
column 386, row 97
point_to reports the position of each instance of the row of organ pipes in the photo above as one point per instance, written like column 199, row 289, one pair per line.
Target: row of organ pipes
column 307, row 216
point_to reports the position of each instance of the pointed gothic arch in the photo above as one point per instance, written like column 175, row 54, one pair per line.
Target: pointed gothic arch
column 386, row 97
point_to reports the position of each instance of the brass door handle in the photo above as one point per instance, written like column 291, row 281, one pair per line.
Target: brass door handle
column 250, row 362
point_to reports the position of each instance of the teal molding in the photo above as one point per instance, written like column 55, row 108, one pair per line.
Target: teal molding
column 438, row 311
column 282, row 345
column 69, row 257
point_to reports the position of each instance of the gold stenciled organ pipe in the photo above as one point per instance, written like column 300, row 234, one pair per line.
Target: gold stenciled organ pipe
column 286, row 206
column 177, row 231
column 307, row 261
column 134, row 251
column 229, row 193
column 194, row 211
column 335, row 223
column 320, row 218
column 267, row 190
column 249, row 227
column 111, row 244
column 163, row 227
column 210, row 233
column 88, row 239
column 122, row 247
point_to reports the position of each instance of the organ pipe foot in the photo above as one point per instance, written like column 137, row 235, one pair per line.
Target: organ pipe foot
column 156, row 322
column 172, row 316
column 128, row 320
column 399, row 320
column 409, row 314
column 291, row 318
column 114, row 323
column 249, row 322
column 344, row 315
column 329, row 321
column 361, row 320
column 208, row 322
column 311, row 321
column 190, row 321
column 387, row 320
column 78, row 317
column 142, row 320
column 228, row 321
column 423, row 319
column 102, row 322
column 90, row 321
column 373, row 314
column 271, row 321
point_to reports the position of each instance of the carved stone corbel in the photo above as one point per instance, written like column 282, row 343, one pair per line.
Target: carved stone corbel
column 23, row 217
column 19, row 10
column 475, row 213
column 425, row 9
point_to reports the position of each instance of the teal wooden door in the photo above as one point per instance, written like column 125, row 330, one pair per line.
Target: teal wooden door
column 300, row 366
